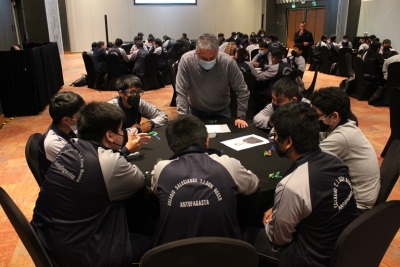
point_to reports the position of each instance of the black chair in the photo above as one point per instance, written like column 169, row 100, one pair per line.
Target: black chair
column 31, row 156
column 393, row 80
column 200, row 252
column 390, row 171
column 166, row 71
column 178, row 48
column 127, row 47
column 250, row 81
column 172, row 71
column 394, row 108
column 310, row 90
column 349, row 64
column 325, row 62
column 365, row 241
column 24, row 230
column 92, row 77
column 253, row 53
column 150, row 79
column 113, row 64
column 342, row 69
column 362, row 89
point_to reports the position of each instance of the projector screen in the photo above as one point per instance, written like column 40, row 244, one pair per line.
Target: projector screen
column 165, row 2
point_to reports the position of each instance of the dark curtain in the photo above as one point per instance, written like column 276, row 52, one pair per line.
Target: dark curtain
column 28, row 79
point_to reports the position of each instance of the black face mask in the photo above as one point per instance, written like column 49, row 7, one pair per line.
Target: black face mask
column 294, row 53
column 322, row 126
column 133, row 101
column 275, row 106
column 280, row 152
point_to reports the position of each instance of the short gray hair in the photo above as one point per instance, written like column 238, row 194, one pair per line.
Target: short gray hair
column 207, row 41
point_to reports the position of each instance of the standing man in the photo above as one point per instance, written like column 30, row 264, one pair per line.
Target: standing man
column 305, row 37
column 203, row 83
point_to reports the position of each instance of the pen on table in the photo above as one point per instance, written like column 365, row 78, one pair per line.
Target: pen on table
column 157, row 137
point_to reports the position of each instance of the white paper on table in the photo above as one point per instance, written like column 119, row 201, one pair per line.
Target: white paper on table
column 245, row 142
column 218, row 128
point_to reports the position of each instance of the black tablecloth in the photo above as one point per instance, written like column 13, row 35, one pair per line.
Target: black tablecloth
column 252, row 159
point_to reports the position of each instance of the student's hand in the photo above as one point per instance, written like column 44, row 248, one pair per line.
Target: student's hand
column 241, row 123
column 267, row 216
column 146, row 127
column 305, row 43
column 255, row 64
column 135, row 140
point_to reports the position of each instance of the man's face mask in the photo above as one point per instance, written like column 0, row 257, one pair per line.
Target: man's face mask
column 133, row 101
column 207, row 65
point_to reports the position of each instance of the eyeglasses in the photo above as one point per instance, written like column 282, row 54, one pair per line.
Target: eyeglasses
column 134, row 93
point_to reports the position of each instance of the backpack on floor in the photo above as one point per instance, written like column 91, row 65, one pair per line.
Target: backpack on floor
column 82, row 81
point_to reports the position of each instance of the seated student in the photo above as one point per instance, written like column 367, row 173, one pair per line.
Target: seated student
column 268, row 78
column 386, row 48
column 134, row 49
column 117, row 49
column 297, row 61
column 333, row 49
column 373, row 62
column 162, row 52
column 253, row 45
column 221, row 39
column 134, row 107
column 64, row 108
column 263, row 58
column 314, row 201
column 79, row 215
column 231, row 49
column 363, row 46
column 141, row 53
column 198, row 201
column 150, row 44
column 245, row 41
column 321, row 43
column 283, row 92
column 342, row 137
column 90, row 52
column 99, row 58
column 244, row 65
column 232, row 38
column 393, row 57
column 345, row 42
column 274, row 43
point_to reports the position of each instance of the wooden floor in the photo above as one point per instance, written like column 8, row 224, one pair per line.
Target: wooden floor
column 17, row 180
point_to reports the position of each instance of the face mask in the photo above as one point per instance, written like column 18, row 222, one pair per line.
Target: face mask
column 344, row 41
column 275, row 106
column 121, row 145
column 322, row 126
column 261, row 53
column 294, row 53
column 73, row 128
column 280, row 152
column 207, row 65
column 262, row 35
column 133, row 101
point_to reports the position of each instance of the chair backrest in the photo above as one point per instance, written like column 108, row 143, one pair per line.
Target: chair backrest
column 349, row 64
column 200, row 252
column 310, row 90
column 250, row 80
column 394, row 109
column 342, row 64
column 24, row 230
column 253, row 53
column 326, row 64
column 365, row 241
column 127, row 47
column 390, row 171
column 91, row 74
column 171, row 54
column 393, row 80
column 113, row 64
column 359, row 81
column 172, row 72
column 31, row 156
column 149, row 79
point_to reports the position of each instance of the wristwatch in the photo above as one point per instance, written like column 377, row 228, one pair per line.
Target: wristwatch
column 242, row 117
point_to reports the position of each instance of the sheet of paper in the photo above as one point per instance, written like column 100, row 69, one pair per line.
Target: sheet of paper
column 245, row 142
column 218, row 128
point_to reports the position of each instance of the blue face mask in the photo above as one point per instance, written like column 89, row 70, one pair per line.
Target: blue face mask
column 261, row 53
column 207, row 65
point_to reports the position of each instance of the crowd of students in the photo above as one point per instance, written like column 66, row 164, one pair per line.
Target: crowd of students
column 83, row 155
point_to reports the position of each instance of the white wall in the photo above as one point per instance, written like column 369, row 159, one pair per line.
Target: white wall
column 381, row 18
column 125, row 20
